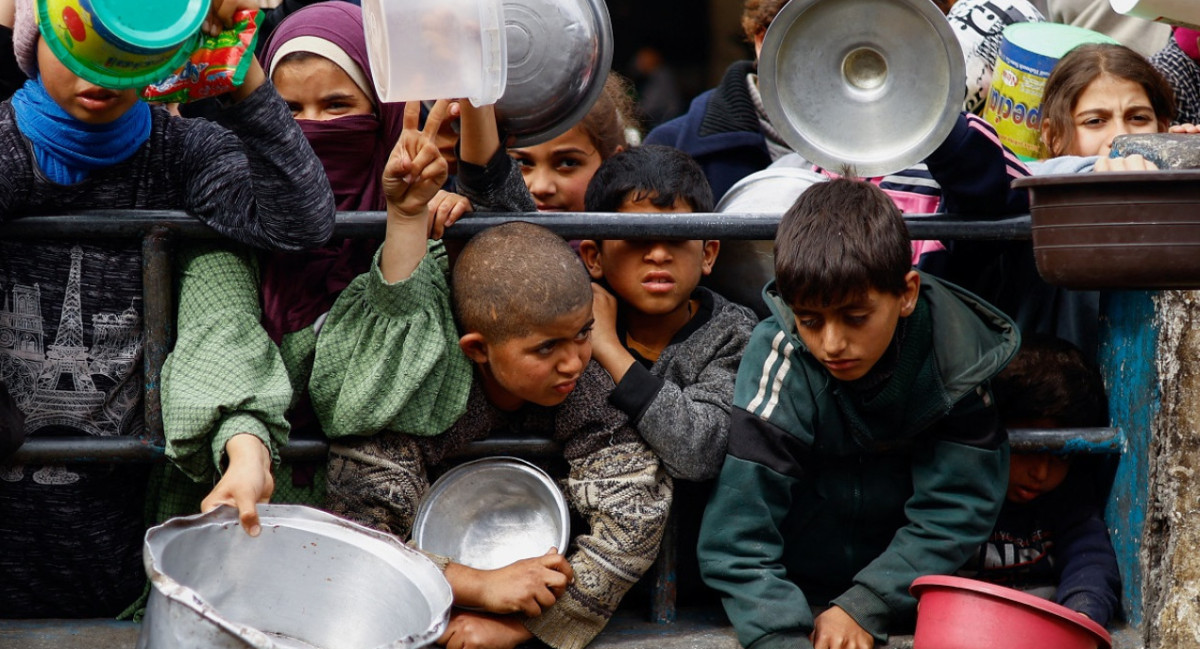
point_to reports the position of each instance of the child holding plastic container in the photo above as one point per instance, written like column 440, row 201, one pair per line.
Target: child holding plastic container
column 522, row 303
column 1094, row 93
column 71, row 536
column 1049, row 537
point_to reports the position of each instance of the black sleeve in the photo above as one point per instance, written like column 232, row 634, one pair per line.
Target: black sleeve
column 12, row 424
column 11, row 76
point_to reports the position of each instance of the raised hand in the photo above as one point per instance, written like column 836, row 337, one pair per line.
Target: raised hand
column 415, row 170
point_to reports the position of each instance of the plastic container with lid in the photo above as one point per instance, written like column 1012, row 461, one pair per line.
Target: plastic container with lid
column 1184, row 13
column 1028, row 53
column 421, row 50
column 121, row 43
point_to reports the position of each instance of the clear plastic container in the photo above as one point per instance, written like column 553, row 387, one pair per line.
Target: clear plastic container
column 421, row 50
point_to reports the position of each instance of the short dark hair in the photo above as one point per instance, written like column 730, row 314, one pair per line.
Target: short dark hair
column 1050, row 378
column 659, row 173
column 838, row 240
column 514, row 277
column 1075, row 71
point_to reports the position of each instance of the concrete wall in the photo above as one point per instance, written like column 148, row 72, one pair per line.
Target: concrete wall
column 1171, row 550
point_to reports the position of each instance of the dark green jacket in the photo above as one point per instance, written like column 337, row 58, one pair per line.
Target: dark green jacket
column 820, row 504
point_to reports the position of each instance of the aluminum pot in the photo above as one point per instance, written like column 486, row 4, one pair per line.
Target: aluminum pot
column 308, row 580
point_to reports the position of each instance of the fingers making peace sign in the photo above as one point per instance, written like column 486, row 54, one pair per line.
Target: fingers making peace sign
column 415, row 170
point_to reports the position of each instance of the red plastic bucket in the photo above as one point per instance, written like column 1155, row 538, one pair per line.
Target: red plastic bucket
column 958, row 613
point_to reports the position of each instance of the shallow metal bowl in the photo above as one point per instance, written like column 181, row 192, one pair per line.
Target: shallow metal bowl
column 309, row 579
column 491, row 512
column 744, row 267
column 877, row 84
column 559, row 55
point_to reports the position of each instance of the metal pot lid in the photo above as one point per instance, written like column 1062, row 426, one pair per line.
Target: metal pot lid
column 877, row 84
column 491, row 512
column 559, row 55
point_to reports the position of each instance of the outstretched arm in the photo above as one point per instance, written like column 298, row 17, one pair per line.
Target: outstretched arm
column 486, row 175
column 414, row 173
column 225, row 386
column 975, row 172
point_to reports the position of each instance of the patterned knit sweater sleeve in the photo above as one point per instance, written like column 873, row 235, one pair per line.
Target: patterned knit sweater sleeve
column 257, row 179
column 387, row 356
column 616, row 484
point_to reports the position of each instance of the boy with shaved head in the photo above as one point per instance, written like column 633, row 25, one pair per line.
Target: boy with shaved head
column 522, row 301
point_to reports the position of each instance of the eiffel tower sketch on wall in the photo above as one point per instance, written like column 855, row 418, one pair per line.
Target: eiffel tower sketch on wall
column 57, row 385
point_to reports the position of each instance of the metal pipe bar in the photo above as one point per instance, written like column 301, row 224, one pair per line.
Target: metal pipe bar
column 1064, row 441
column 119, row 224
column 158, row 320
column 72, row 450
column 126, row 449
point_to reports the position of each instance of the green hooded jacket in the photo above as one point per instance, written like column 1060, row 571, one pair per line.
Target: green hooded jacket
column 825, row 501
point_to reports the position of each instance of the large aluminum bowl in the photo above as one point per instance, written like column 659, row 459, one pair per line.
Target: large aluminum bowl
column 491, row 512
column 309, row 580
column 559, row 55
column 878, row 84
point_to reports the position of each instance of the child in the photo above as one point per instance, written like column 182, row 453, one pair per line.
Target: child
column 671, row 346
column 1095, row 93
column 1050, row 531
column 557, row 172
column 523, row 304
column 66, row 144
column 227, row 418
column 865, row 449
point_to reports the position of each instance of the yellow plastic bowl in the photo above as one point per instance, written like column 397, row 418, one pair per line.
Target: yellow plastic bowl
column 121, row 43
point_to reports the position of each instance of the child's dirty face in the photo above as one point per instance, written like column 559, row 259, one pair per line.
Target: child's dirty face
column 850, row 337
column 316, row 88
column 1109, row 107
column 543, row 365
column 653, row 277
column 557, row 172
column 1033, row 474
column 81, row 99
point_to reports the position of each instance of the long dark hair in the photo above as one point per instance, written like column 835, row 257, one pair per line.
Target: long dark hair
column 1077, row 70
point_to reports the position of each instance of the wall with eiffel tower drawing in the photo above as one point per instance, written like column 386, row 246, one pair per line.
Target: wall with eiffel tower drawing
column 71, row 336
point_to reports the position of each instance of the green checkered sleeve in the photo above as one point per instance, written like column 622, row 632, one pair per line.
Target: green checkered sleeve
column 225, row 375
column 387, row 356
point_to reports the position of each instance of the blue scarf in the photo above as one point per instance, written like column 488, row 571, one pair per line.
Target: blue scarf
column 66, row 148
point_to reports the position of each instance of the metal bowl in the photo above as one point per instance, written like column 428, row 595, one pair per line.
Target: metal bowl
column 744, row 267
column 491, row 512
column 309, row 579
column 559, row 55
column 877, row 84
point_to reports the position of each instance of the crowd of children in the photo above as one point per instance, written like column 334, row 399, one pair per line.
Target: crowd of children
column 852, row 441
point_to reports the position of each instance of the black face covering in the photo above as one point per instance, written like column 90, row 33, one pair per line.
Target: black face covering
column 353, row 152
